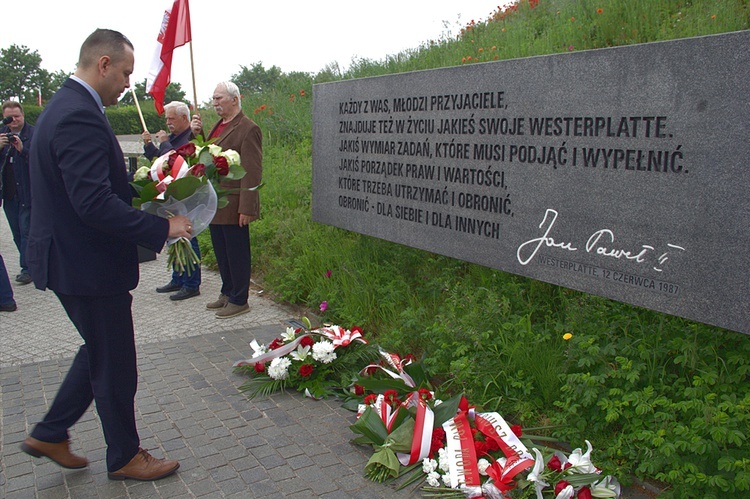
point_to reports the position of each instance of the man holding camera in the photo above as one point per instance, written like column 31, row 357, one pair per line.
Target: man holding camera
column 15, row 186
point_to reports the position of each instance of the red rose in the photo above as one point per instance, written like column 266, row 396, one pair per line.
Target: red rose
column 359, row 390
column 260, row 367
column 305, row 370
column 492, row 445
column 555, row 464
column 222, row 165
column 198, row 170
column 277, row 343
column 185, row 150
column 560, row 486
column 584, row 493
column 167, row 167
column 307, row 341
column 370, row 399
column 516, row 428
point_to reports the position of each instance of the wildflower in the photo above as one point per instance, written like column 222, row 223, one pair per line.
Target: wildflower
column 262, row 107
column 567, row 336
column 328, row 273
column 323, row 306
column 713, row 16
column 301, row 93
column 481, row 50
column 599, row 11
column 570, row 48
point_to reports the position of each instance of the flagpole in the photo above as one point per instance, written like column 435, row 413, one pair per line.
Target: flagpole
column 138, row 106
column 192, row 71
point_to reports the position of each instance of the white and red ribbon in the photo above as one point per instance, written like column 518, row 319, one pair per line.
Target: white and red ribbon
column 493, row 426
column 422, row 439
column 339, row 336
column 271, row 354
column 395, row 361
column 463, row 469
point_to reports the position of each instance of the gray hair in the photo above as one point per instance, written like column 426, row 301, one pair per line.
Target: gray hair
column 179, row 107
column 232, row 90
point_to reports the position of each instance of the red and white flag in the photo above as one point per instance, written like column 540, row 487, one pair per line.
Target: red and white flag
column 174, row 32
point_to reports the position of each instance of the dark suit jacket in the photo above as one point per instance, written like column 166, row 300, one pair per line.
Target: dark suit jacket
column 10, row 158
column 244, row 136
column 173, row 142
column 84, row 231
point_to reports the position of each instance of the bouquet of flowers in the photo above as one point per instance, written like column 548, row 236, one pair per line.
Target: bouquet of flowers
column 458, row 451
column 186, row 181
column 318, row 362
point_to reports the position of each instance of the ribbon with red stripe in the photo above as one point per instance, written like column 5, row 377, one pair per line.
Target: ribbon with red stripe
column 463, row 469
column 493, row 426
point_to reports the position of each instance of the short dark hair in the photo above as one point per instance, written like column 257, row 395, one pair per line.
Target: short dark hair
column 103, row 42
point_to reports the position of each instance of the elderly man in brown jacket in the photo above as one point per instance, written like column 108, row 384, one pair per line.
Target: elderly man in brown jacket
column 230, row 234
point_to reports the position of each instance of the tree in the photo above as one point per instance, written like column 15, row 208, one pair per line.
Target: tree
column 173, row 92
column 20, row 73
column 256, row 79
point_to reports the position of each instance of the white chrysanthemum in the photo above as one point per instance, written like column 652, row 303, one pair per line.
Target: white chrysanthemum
column 323, row 352
column 279, row 368
column 433, row 479
column 482, row 465
column 443, row 460
column 289, row 336
column 428, row 465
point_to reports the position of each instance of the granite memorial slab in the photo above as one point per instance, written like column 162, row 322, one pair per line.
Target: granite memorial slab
column 621, row 172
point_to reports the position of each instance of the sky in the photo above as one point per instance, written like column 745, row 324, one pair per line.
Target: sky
column 292, row 35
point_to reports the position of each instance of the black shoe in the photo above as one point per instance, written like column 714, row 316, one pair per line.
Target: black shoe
column 169, row 288
column 8, row 307
column 184, row 294
column 23, row 278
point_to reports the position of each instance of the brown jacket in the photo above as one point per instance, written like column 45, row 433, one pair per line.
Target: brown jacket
column 244, row 136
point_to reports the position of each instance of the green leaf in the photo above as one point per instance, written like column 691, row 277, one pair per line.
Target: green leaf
column 447, row 410
column 183, row 187
column 371, row 426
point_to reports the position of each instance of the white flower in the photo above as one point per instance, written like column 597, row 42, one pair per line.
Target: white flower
column 606, row 487
column 433, row 479
column 446, row 479
column 279, row 368
column 289, row 335
column 581, row 463
column 323, row 352
column 301, row 353
column 214, row 149
column 233, row 157
column 428, row 465
column 437, row 402
column 444, row 463
column 482, row 465
column 536, row 474
column 567, row 493
column 142, row 173
column 258, row 349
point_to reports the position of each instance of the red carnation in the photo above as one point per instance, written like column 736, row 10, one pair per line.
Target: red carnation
column 424, row 394
column 359, row 390
column 492, row 445
column 391, row 396
column 222, row 165
column 516, row 428
column 260, row 367
column 555, row 464
column 480, row 447
column 437, row 442
column 560, row 486
column 305, row 370
column 185, row 150
column 198, row 170
column 307, row 341
column 370, row 399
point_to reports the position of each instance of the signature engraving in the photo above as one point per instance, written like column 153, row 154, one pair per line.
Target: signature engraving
column 601, row 242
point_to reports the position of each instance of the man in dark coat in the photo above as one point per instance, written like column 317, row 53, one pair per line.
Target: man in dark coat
column 83, row 246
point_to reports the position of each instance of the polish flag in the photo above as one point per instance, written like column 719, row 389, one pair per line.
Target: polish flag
column 174, row 32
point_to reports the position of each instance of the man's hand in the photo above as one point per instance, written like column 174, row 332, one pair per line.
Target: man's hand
column 196, row 125
column 244, row 220
column 3, row 140
column 180, row 226
column 161, row 136
column 146, row 136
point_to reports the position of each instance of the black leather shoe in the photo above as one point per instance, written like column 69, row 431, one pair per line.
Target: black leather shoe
column 169, row 288
column 184, row 294
column 23, row 278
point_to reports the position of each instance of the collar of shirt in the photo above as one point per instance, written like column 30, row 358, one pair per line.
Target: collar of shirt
column 91, row 90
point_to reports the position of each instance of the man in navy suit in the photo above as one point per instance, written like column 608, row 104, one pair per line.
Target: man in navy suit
column 83, row 246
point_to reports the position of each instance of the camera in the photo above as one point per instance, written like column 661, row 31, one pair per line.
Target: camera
column 12, row 137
